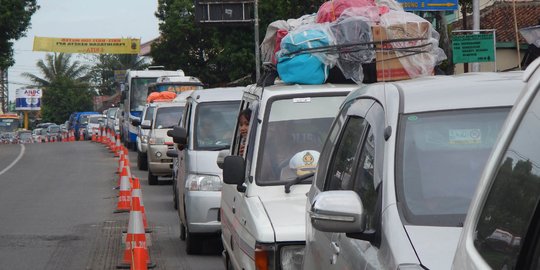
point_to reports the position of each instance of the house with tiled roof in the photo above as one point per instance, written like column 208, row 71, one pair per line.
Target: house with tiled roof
column 500, row 16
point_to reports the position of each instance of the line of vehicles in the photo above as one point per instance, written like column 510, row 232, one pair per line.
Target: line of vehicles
column 332, row 176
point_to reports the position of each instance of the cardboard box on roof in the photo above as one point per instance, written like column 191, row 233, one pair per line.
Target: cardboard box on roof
column 389, row 67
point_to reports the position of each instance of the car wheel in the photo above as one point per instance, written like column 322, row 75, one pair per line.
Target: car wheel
column 142, row 162
column 193, row 243
column 152, row 179
column 182, row 232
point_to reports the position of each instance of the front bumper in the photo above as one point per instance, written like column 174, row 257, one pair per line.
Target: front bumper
column 202, row 211
column 158, row 161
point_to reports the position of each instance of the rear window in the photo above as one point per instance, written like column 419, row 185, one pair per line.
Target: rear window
column 440, row 158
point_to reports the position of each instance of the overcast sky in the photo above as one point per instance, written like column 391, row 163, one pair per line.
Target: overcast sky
column 81, row 19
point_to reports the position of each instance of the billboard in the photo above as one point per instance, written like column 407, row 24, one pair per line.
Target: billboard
column 28, row 99
column 224, row 11
column 88, row 45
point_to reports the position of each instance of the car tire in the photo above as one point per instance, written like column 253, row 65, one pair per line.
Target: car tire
column 193, row 243
column 182, row 232
column 152, row 179
column 142, row 161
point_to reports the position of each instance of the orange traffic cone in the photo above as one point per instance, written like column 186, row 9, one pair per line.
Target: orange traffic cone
column 135, row 238
column 81, row 135
column 124, row 196
column 136, row 192
column 117, row 146
column 120, row 164
column 139, row 258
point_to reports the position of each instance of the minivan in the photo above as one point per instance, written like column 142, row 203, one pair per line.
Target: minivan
column 206, row 128
column 502, row 229
column 399, row 168
column 268, row 172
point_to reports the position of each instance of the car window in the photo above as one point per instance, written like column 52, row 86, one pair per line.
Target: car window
column 149, row 114
column 341, row 170
column 513, row 197
column 214, row 124
column 440, row 159
column 168, row 117
column 292, row 126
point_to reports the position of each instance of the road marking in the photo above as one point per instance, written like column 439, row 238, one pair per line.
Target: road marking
column 15, row 161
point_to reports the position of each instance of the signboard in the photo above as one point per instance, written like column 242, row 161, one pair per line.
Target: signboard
column 224, row 11
column 473, row 48
column 28, row 99
column 429, row 5
column 88, row 45
column 119, row 76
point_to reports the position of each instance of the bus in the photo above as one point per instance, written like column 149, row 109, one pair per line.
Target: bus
column 174, row 84
column 9, row 122
column 134, row 93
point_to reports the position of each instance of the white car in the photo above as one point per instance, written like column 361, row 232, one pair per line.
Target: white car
column 94, row 122
column 502, row 229
column 399, row 168
column 263, row 200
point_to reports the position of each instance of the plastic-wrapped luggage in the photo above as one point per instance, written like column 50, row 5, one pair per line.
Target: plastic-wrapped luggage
column 331, row 10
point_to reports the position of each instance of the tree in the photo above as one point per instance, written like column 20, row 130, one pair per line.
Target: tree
column 14, row 21
column 102, row 73
column 65, row 87
column 215, row 54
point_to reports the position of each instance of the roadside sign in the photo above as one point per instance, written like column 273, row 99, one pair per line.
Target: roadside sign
column 473, row 48
column 429, row 5
column 28, row 99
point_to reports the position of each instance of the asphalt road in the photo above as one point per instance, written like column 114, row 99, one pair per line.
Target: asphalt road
column 57, row 202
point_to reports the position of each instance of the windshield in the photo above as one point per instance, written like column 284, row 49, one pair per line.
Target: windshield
column 168, row 117
column 54, row 129
column 295, row 127
column 214, row 124
column 84, row 119
column 95, row 120
column 138, row 92
column 25, row 135
column 9, row 124
column 442, row 155
column 111, row 112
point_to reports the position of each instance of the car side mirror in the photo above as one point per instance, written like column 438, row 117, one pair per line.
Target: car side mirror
column 234, row 168
column 136, row 122
column 221, row 157
column 146, row 124
column 337, row 211
column 179, row 135
column 172, row 153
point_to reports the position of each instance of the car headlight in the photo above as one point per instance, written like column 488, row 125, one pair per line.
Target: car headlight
column 153, row 140
column 200, row 182
column 292, row 257
column 144, row 139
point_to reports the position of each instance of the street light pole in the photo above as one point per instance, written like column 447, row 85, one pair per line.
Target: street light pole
column 475, row 67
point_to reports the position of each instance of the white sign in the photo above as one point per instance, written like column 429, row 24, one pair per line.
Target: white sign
column 28, row 93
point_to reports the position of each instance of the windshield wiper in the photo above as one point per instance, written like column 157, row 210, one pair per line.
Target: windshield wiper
column 297, row 180
column 218, row 148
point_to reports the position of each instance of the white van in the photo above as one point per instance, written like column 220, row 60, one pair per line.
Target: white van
column 399, row 168
column 502, row 229
column 263, row 201
column 207, row 127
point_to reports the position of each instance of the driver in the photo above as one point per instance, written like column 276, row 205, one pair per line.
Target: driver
column 301, row 163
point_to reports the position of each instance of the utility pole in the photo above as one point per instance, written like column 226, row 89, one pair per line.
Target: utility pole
column 4, row 90
column 257, row 50
column 476, row 26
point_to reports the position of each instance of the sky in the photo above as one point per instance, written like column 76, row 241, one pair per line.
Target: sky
column 81, row 19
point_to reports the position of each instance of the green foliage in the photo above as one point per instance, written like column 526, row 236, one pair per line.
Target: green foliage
column 62, row 97
column 216, row 54
column 65, row 87
column 14, row 21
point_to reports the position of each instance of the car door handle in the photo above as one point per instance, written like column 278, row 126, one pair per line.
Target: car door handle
column 336, row 248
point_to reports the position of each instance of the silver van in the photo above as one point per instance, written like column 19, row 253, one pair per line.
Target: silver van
column 206, row 128
column 142, row 135
column 398, row 170
column 502, row 229
column 166, row 116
